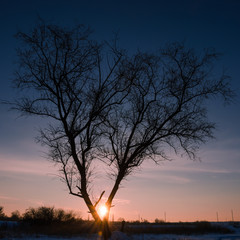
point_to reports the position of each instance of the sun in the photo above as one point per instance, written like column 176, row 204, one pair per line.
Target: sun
column 102, row 211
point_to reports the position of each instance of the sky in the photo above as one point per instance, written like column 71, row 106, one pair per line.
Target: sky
column 179, row 190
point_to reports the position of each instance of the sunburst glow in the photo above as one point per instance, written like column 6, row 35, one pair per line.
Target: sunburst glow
column 102, row 211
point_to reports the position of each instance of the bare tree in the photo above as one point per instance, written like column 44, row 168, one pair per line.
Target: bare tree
column 104, row 105
column 165, row 109
column 71, row 80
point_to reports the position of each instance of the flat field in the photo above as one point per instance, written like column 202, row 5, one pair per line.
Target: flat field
column 134, row 231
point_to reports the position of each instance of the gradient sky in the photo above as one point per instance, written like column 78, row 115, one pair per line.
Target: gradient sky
column 180, row 190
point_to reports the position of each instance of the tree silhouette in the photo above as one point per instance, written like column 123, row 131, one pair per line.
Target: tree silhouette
column 105, row 105
column 2, row 214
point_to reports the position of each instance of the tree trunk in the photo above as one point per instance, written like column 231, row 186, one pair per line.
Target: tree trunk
column 102, row 225
column 106, row 232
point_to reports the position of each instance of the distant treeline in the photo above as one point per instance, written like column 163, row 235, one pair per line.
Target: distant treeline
column 52, row 221
column 44, row 220
column 41, row 215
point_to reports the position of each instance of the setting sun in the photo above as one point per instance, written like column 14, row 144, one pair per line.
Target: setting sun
column 102, row 211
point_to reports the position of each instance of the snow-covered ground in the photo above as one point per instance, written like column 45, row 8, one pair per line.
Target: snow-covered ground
column 122, row 236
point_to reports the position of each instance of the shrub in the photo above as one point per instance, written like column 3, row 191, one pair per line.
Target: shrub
column 47, row 215
column 15, row 216
column 41, row 215
column 62, row 216
column 2, row 214
column 159, row 221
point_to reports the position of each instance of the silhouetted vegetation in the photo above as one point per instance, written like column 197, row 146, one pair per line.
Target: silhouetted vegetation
column 46, row 220
column 202, row 227
column 48, row 215
column 58, row 222
column 2, row 214
column 106, row 105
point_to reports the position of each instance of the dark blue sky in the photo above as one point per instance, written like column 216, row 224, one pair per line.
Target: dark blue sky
column 141, row 24
column 146, row 25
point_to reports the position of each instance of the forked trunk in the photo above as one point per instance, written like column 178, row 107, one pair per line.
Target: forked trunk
column 102, row 225
column 106, row 232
